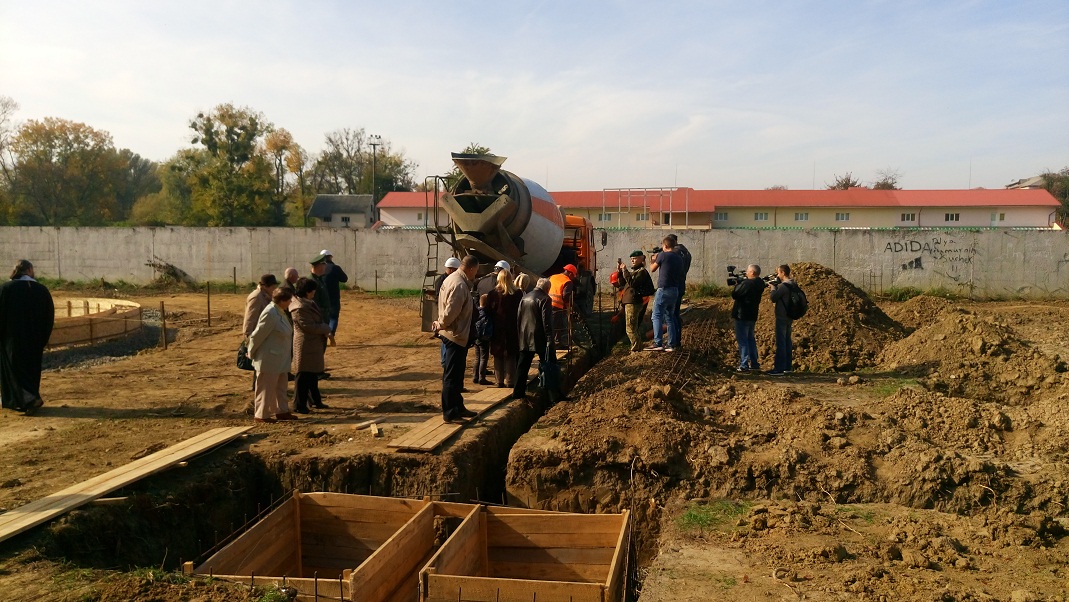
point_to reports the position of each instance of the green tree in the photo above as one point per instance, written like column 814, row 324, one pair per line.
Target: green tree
column 341, row 165
column 137, row 179
column 8, row 108
column 1057, row 184
column 64, row 173
column 233, row 186
column 844, row 182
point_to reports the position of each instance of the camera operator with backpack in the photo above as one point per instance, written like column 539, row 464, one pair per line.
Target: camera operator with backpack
column 791, row 304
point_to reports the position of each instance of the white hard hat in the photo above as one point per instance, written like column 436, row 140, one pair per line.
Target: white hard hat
column 326, row 252
column 452, row 262
column 503, row 265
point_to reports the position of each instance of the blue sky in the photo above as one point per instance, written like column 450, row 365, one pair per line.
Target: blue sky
column 579, row 95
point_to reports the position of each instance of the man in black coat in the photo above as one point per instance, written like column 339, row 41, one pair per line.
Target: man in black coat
column 747, row 296
column 333, row 278
column 535, row 320
column 26, row 318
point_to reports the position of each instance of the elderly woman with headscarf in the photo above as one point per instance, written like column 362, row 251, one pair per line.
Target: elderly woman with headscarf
column 310, row 331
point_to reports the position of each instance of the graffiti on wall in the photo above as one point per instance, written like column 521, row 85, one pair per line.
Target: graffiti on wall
column 950, row 254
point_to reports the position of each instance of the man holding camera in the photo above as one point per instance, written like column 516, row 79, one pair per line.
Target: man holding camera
column 780, row 292
column 747, row 295
column 635, row 294
column 669, row 267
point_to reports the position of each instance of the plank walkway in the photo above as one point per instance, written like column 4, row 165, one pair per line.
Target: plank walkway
column 18, row 520
column 432, row 433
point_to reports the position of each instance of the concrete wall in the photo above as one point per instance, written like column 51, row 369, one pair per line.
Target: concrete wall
column 985, row 263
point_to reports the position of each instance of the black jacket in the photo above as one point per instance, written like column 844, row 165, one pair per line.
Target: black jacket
column 536, row 328
column 747, row 296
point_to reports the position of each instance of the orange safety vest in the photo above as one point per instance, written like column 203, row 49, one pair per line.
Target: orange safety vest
column 557, row 282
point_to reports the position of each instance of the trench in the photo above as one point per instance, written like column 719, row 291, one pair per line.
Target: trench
column 186, row 514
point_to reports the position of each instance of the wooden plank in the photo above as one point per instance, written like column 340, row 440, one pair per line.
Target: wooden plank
column 233, row 558
column 449, row 558
column 543, row 531
column 618, row 567
column 397, row 562
column 558, row 555
column 375, row 516
column 432, row 433
column 324, row 499
column 18, row 520
column 455, row 588
column 366, row 531
column 297, row 531
column 547, row 571
column 456, row 510
column 328, row 589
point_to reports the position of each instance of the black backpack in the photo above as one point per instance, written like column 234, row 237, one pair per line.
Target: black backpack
column 797, row 304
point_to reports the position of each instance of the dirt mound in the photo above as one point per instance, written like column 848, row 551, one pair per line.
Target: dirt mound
column 962, row 354
column 919, row 311
column 843, row 330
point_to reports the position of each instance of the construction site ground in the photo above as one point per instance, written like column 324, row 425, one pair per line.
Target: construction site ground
column 919, row 452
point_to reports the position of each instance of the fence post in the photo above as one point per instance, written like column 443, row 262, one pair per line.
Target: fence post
column 209, row 303
column 376, row 282
column 235, row 280
column 70, row 308
column 163, row 321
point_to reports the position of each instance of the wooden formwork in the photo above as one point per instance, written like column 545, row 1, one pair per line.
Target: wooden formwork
column 92, row 320
column 332, row 546
column 548, row 557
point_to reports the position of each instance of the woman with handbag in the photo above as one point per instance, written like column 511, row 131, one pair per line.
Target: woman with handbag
column 310, row 330
column 503, row 304
column 271, row 350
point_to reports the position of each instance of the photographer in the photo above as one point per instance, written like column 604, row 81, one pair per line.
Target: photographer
column 780, row 292
column 669, row 267
column 747, row 295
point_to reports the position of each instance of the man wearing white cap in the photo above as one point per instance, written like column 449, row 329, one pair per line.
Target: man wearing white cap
column 333, row 278
column 483, row 286
column 451, row 266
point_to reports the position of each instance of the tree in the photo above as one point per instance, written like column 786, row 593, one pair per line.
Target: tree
column 844, row 182
column 279, row 147
column 137, row 179
column 232, row 187
column 64, row 173
column 342, row 164
column 8, row 107
column 1057, row 184
column 777, row 187
column 888, row 180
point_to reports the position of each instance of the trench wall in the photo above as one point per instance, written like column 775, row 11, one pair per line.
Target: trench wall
column 978, row 263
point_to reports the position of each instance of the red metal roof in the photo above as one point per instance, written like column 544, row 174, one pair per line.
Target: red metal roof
column 700, row 201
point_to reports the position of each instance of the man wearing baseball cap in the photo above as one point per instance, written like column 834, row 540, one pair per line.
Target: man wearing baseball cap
column 333, row 277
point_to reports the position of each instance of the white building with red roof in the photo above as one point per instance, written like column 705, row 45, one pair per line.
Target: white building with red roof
column 682, row 208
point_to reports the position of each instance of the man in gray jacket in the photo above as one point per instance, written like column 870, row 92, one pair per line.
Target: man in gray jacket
column 455, row 305
column 535, row 320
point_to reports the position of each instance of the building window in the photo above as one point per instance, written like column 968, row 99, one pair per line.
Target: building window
column 642, row 217
column 345, row 220
column 419, row 216
column 909, row 217
column 801, row 217
column 998, row 217
column 604, row 217
column 326, row 220
column 666, row 219
column 951, row 217
column 720, row 216
column 842, row 217
column 760, row 216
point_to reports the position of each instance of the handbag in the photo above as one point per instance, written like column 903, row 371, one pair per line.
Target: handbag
column 244, row 362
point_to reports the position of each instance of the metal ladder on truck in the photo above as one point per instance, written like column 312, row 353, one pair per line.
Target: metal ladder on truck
column 437, row 233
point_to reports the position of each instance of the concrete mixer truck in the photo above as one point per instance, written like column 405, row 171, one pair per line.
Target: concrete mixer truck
column 495, row 214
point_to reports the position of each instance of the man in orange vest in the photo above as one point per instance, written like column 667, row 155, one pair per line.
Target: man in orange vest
column 561, row 293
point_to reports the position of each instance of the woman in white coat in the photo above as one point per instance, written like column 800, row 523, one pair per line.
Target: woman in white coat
column 271, row 351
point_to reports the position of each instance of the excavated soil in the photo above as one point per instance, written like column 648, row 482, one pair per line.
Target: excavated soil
column 936, row 470
column 920, row 452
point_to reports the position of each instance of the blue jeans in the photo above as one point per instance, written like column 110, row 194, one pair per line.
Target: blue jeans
column 784, row 345
column 664, row 306
column 333, row 325
column 744, row 335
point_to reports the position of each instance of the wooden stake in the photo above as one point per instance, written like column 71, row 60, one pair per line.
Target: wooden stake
column 163, row 321
column 209, row 285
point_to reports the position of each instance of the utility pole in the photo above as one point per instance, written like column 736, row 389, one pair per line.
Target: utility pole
column 375, row 140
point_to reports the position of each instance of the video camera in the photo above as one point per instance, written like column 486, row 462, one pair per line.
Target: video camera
column 734, row 278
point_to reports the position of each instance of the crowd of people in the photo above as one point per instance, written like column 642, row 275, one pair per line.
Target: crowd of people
column 507, row 317
column 747, row 295
column 287, row 329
